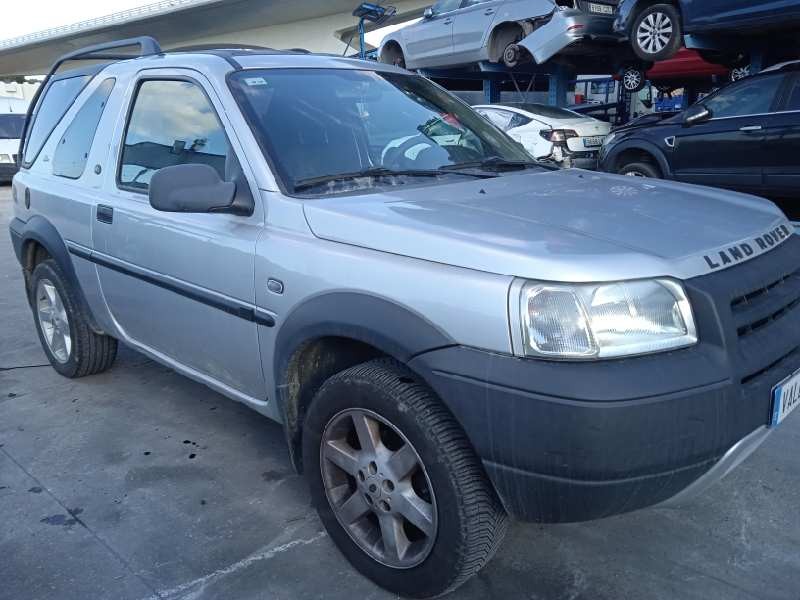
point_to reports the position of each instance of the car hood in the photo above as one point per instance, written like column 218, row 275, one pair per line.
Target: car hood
column 569, row 225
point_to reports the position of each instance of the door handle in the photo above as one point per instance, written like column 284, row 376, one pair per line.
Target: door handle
column 105, row 214
column 489, row 11
column 447, row 22
column 751, row 128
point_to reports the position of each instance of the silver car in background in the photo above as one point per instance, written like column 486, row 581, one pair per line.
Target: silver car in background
column 512, row 32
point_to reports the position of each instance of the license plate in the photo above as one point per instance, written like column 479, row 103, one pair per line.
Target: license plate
column 785, row 398
column 592, row 142
column 601, row 9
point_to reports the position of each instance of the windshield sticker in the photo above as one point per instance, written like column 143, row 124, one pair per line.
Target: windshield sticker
column 255, row 81
column 744, row 251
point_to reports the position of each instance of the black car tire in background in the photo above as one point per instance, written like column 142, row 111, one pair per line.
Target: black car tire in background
column 657, row 33
column 634, row 79
column 641, row 169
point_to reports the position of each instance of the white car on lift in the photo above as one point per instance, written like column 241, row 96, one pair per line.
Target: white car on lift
column 567, row 138
column 12, row 122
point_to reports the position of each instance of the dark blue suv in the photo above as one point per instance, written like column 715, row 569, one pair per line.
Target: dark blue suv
column 656, row 27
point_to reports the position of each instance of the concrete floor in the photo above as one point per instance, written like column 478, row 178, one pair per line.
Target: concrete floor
column 140, row 483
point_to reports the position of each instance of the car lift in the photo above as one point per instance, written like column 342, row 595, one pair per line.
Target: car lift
column 375, row 14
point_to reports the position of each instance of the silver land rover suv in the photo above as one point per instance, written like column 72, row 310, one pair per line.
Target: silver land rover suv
column 450, row 333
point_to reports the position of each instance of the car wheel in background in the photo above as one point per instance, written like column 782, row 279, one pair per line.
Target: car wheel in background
column 72, row 348
column 640, row 169
column 396, row 482
column 740, row 73
column 657, row 33
column 633, row 79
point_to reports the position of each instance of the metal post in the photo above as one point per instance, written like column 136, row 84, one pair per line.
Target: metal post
column 559, row 83
column 491, row 91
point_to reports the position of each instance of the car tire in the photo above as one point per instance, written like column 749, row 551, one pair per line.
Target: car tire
column 640, row 169
column 739, row 73
column 657, row 33
column 72, row 348
column 464, row 522
column 633, row 80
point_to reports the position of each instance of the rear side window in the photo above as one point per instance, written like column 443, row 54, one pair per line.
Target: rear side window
column 58, row 97
column 72, row 151
column 171, row 123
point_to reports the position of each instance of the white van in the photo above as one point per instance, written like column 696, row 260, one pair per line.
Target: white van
column 12, row 121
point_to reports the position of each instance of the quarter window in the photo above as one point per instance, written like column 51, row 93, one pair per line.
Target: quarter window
column 58, row 97
column 72, row 152
column 172, row 123
column 751, row 97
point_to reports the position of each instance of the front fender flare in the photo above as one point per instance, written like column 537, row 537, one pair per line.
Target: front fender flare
column 610, row 159
column 391, row 329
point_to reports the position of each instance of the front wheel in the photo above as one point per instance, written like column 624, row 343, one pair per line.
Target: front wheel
column 396, row 483
column 634, row 80
column 657, row 33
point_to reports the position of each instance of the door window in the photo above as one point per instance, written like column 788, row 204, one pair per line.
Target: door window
column 500, row 118
column 750, row 97
column 172, row 123
column 444, row 6
column 72, row 151
column 58, row 97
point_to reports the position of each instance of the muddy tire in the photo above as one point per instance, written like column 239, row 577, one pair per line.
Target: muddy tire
column 396, row 482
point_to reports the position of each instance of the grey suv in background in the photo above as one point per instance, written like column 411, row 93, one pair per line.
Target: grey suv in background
column 448, row 332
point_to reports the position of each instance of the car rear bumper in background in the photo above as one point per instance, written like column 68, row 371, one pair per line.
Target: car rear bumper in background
column 566, row 27
column 7, row 171
column 570, row 441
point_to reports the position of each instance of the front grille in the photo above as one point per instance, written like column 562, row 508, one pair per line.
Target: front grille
column 757, row 304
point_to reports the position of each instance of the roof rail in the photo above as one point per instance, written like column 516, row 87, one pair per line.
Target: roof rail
column 147, row 46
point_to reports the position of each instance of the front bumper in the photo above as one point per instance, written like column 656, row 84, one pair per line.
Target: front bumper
column 566, row 442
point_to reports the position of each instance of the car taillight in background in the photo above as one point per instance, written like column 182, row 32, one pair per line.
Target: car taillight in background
column 558, row 135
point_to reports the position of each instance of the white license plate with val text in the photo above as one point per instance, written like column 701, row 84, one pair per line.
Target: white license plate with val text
column 602, row 9
column 591, row 142
column 785, row 398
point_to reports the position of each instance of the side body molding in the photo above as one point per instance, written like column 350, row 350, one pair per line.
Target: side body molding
column 391, row 329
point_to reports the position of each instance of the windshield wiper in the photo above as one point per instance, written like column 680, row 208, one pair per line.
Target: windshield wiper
column 378, row 172
column 497, row 163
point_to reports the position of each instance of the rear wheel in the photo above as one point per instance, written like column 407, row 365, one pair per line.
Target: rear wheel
column 633, row 79
column 396, row 483
column 640, row 169
column 657, row 33
column 72, row 348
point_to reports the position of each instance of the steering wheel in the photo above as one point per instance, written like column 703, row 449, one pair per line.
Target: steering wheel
column 395, row 158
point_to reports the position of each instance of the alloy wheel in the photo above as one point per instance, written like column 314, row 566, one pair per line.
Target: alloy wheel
column 655, row 32
column 378, row 488
column 632, row 80
column 53, row 320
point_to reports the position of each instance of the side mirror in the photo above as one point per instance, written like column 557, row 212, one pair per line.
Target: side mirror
column 194, row 188
column 428, row 14
column 695, row 115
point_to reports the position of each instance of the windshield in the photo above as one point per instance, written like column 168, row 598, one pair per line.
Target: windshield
column 318, row 123
column 11, row 126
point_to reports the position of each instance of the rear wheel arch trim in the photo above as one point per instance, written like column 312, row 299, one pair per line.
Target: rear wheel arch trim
column 41, row 231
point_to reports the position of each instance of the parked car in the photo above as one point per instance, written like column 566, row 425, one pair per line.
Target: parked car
column 743, row 137
column 449, row 332
column 550, row 133
column 461, row 32
column 656, row 29
column 12, row 121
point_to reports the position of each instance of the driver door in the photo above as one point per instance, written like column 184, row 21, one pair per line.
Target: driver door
column 471, row 27
column 429, row 43
column 179, row 285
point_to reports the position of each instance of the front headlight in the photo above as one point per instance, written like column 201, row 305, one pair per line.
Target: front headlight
column 606, row 320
